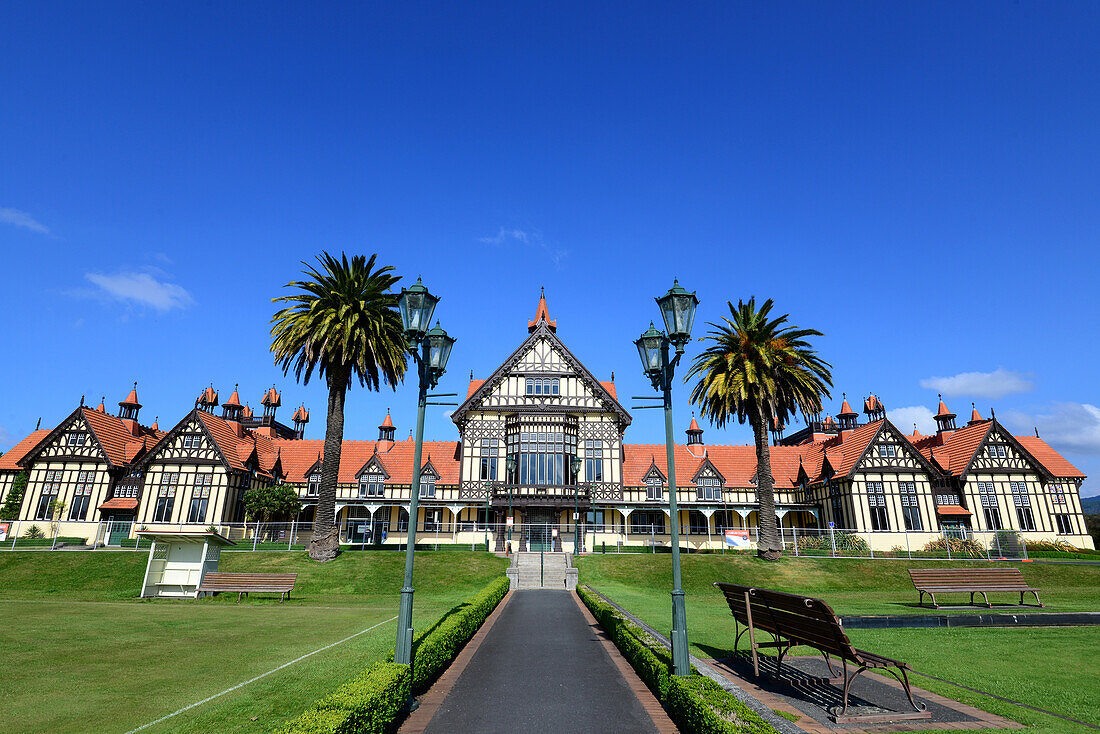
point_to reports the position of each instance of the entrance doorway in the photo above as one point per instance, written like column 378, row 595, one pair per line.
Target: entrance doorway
column 118, row 528
column 540, row 523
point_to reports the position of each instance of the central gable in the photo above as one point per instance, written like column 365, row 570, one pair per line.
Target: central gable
column 72, row 439
column 542, row 375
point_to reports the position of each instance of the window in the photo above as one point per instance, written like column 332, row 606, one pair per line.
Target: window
column 51, row 486
column 1065, row 524
column 192, row 440
column 1027, row 520
column 314, row 485
column 708, row 489
column 943, row 498
column 647, row 522
column 482, row 518
column 433, row 519
column 200, row 498
column 427, row 485
column 593, row 460
column 595, row 520
column 402, row 520
column 542, row 456
column 372, row 485
column 128, row 490
column 876, row 500
column 887, row 450
column 77, row 439
column 542, row 386
column 82, row 496
column 1022, row 500
column 490, row 450
column 990, row 508
column 910, row 507
column 697, row 523
column 1058, row 494
column 997, row 451
column 166, row 497
column 654, row 488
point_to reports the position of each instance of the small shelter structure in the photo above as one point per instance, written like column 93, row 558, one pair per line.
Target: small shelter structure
column 178, row 561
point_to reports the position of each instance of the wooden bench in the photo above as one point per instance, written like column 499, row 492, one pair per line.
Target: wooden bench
column 243, row 583
column 934, row 581
column 794, row 620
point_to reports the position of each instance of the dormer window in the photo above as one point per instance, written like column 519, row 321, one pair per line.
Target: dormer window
column 888, row 451
column 542, row 386
column 654, row 488
column 372, row 485
column 708, row 489
column 997, row 451
column 427, row 485
column 77, row 439
column 314, row 485
column 192, row 440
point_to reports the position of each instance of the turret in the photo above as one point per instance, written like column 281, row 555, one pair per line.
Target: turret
column 694, row 433
column 128, row 412
column 846, row 418
column 231, row 411
column 207, row 400
column 385, row 432
column 975, row 416
column 874, row 409
column 945, row 420
column 776, row 429
column 271, row 401
column 301, row 418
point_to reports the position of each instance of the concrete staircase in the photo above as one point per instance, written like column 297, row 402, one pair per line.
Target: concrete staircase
column 542, row 571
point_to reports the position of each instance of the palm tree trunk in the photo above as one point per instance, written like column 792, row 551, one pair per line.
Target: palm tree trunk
column 768, row 545
column 325, row 543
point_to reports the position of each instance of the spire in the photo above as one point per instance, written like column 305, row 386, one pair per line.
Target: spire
column 846, row 417
column 102, row 407
column 542, row 314
column 129, row 407
column 694, row 432
column 231, row 408
column 156, row 423
column 945, row 419
column 975, row 416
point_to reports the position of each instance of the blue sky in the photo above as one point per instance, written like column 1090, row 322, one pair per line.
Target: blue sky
column 917, row 180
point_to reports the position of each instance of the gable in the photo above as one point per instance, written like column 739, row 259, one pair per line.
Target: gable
column 187, row 443
column 541, row 375
column 1001, row 452
column 73, row 438
column 889, row 450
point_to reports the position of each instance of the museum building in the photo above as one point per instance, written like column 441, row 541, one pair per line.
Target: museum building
column 539, row 438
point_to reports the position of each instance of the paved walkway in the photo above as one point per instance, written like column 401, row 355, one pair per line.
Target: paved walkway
column 542, row 668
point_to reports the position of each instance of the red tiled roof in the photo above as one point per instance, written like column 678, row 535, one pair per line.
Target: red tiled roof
column 1055, row 463
column 120, row 503
column 952, row 510
column 132, row 398
column 846, row 409
column 234, row 399
column 299, row 456
column 387, row 422
column 227, row 440
column 943, row 410
column 115, row 436
column 975, row 416
column 11, row 458
column 953, row 453
column 694, row 425
column 474, row 385
column 542, row 314
column 610, row 387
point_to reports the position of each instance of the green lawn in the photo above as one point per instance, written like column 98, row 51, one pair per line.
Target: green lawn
column 1051, row 668
column 91, row 656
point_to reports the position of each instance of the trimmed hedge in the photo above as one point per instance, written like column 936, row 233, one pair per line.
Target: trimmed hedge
column 45, row 542
column 373, row 702
column 434, row 650
column 701, row 705
column 695, row 703
column 370, row 703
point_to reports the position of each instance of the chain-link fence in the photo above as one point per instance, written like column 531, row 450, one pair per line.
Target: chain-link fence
column 378, row 533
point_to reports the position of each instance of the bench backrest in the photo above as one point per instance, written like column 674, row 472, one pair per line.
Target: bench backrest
column 923, row 577
column 250, row 580
column 797, row 618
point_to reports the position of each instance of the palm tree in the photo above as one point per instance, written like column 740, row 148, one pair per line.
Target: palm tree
column 759, row 370
column 342, row 323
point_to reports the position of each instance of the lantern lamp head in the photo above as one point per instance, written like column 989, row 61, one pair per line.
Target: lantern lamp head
column 651, row 349
column 439, row 349
column 416, row 305
column 678, row 311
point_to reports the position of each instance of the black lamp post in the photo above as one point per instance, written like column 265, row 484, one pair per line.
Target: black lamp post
column 678, row 311
column 575, row 464
column 430, row 348
column 510, row 463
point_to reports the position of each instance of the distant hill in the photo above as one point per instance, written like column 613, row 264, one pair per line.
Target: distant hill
column 1090, row 505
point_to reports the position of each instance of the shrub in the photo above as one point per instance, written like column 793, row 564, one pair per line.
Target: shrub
column 367, row 704
column 14, row 500
column 34, row 533
column 698, row 704
column 968, row 547
column 845, row 543
column 1051, row 545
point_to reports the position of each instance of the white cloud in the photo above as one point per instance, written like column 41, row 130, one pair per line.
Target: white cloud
column 507, row 236
column 143, row 289
column 904, row 418
column 17, row 218
column 995, row 384
column 1070, row 427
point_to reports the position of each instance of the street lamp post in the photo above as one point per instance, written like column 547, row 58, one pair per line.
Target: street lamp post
column 430, row 348
column 575, row 464
column 510, row 464
column 678, row 311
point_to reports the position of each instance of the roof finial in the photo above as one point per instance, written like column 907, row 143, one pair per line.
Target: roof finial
column 612, row 375
column 81, row 401
column 39, row 424
column 1036, row 431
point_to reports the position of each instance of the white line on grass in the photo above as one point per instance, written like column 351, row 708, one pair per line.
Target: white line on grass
column 253, row 680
